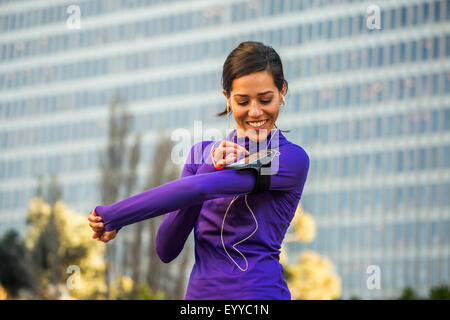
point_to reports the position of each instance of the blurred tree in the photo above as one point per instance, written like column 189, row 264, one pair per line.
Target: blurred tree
column 159, row 276
column 408, row 293
column 114, row 178
column 440, row 292
column 122, row 289
column 156, row 177
column 14, row 273
column 112, row 169
column 303, row 226
column 313, row 276
column 3, row 293
column 57, row 239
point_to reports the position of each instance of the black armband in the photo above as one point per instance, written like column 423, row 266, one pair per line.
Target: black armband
column 256, row 161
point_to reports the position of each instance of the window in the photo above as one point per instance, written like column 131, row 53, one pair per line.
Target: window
column 435, row 47
column 437, row 11
column 399, row 162
column 393, row 18
column 404, row 16
column 389, row 162
column 434, row 158
column 425, row 12
column 446, row 155
column 422, row 233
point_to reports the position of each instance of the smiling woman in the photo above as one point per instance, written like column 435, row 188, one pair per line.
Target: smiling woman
column 237, row 239
column 254, row 86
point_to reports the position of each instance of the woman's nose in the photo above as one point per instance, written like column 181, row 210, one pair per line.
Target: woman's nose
column 255, row 111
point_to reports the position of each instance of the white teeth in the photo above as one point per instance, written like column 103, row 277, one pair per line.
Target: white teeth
column 257, row 124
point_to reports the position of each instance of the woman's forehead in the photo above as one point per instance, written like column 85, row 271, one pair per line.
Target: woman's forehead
column 254, row 84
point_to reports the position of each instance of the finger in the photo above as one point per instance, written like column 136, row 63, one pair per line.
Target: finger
column 93, row 218
column 103, row 238
column 99, row 225
column 227, row 160
column 235, row 146
column 97, row 234
column 226, row 143
column 108, row 235
column 227, row 151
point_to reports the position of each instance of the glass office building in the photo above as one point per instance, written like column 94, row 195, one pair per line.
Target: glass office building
column 370, row 106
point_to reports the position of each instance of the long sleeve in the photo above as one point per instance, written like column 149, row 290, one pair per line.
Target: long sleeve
column 177, row 225
column 193, row 190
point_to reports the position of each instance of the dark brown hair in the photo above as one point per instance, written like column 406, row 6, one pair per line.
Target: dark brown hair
column 249, row 57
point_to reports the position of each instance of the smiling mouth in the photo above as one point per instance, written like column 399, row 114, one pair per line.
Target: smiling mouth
column 257, row 124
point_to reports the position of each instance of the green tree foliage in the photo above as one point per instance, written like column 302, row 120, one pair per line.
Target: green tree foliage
column 440, row 292
column 14, row 274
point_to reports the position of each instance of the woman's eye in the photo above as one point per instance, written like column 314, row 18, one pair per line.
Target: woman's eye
column 262, row 101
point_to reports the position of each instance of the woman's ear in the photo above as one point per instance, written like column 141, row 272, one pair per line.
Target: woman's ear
column 283, row 93
column 228, row 102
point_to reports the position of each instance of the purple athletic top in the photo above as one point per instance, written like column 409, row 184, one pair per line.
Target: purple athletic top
column 249, row 268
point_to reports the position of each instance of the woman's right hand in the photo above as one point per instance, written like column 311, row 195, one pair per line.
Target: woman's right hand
column 227, row 152
column 97, row 225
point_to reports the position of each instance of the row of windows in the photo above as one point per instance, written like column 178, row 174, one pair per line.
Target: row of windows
column 383, row 126
column 368, row 57
column 49, row 15
column 414, row 234
column 385, row 198
column 387, row 162
column 350, row 60
column 74, row 193
column 396, row 273
column 92, row 129
column 58, row 163
column 133, row 92
column 148, row 28
column 357, row 165
column 371, row 92
column 343, row 131
column 243, row 11
column 374, row 91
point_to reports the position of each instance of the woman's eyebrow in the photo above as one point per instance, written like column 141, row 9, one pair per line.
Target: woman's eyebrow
column 259, row 94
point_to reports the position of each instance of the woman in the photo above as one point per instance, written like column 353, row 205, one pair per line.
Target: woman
column 238, row 233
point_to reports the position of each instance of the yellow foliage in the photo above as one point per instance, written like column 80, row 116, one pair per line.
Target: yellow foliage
column 303, row 225
column 37, row 218
column 121, row 288
column 3, row 293
column 313, row 278
column 76, row 247
column 283, row 255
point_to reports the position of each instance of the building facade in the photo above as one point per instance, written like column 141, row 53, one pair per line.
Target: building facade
column 370, row 106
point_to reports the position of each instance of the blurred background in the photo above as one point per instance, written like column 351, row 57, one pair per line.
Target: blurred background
column 90, row 92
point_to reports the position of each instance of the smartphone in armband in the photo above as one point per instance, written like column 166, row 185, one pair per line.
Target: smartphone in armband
column 256, row 161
